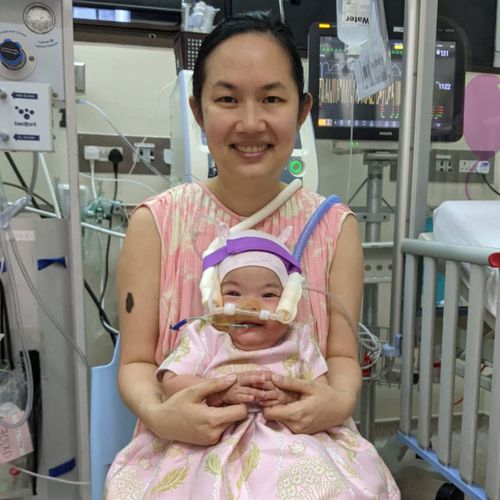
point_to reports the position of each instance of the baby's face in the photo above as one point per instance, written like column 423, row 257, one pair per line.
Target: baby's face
column 254, row 288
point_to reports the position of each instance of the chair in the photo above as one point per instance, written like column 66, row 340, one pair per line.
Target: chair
column 111, row 422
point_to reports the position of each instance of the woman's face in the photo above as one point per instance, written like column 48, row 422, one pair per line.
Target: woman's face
column 250, row 107
column 254, row 288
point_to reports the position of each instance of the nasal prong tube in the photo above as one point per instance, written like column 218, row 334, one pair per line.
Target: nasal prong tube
column 232, row 310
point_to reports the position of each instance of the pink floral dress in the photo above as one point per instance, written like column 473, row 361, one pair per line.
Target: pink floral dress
column 255, row 459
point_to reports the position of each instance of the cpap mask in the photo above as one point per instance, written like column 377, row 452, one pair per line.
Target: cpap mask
column 251, row 248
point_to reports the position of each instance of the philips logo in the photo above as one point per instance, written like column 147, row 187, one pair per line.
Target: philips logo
column 390, row 134
column 357, row 19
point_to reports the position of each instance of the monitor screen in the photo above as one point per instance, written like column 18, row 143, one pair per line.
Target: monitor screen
column 335, row 108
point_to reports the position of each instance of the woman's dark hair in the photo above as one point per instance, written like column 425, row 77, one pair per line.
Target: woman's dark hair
column 250, row 22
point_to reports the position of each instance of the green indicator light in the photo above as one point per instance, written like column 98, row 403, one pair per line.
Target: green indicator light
column 296, row 167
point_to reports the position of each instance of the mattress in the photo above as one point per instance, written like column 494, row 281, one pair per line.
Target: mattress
column 471, row 223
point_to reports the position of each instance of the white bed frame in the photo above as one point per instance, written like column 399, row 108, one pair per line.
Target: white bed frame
column 432, row 254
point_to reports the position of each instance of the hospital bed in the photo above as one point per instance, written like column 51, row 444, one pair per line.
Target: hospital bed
column 465, row 244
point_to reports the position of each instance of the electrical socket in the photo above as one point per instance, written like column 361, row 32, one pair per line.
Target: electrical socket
column 443, row 163
column 144, row 151
column 99, row 153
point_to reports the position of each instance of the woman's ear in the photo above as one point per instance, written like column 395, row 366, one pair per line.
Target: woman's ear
column 305, row 108
column 198, row 115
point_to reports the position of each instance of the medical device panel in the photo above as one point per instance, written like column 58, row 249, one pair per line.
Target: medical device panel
column 336, row 108
column 25, row 116
column 191, row 159
column 31, row 48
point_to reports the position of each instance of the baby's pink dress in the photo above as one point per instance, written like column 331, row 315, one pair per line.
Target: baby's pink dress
column 185, row 217
column 255, row 458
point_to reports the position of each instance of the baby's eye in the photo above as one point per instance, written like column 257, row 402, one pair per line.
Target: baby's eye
column 232, row 293
column 270, row 295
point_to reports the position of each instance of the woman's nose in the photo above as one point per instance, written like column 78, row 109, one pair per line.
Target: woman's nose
column 251, row 120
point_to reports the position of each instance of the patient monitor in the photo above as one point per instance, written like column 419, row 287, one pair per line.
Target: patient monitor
column 191, row 159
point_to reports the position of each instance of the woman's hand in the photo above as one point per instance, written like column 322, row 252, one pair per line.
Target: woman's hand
column 186, row 417
column 319, row 408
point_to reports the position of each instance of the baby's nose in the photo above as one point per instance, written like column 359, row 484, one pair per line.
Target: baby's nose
column 252, row 303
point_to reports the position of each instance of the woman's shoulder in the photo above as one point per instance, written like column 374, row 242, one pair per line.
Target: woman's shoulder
column 174, row 195
column 304, row 203
column 315, row 199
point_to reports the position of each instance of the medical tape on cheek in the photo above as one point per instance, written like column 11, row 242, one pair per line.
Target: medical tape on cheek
column 292, row 293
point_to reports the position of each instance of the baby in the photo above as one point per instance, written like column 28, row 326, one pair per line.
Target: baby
column 253, row 280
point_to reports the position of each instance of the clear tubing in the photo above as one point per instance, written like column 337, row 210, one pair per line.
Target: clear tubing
column 50, row 185
column 4, row 247
column 42, row 305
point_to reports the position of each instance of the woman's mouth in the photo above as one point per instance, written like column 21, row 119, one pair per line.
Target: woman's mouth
column 251, row 150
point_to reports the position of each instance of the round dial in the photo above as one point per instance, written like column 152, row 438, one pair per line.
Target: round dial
column 39, row 18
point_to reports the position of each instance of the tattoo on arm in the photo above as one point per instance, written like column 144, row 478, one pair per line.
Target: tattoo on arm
column 129, row 302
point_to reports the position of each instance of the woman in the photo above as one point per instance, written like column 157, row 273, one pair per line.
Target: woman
column 248, row 97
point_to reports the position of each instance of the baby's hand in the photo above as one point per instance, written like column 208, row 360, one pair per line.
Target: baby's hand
column 246, row 389
column 275, row 396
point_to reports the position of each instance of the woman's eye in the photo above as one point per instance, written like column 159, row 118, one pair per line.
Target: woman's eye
column 273, row 99
column 227, row 99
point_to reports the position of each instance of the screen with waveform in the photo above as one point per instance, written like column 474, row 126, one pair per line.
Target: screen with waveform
column 336, row 108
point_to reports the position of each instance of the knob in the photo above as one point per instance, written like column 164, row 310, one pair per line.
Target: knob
column 12, row 54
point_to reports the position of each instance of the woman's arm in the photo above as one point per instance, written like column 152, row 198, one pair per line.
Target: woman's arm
column 173, row 383
column 346, row 287
column 323, row 406
column 138, row 285
column 185, row 416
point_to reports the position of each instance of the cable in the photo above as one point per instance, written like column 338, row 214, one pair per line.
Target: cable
column 6, row 343
column 92, row 179
column 115, row 157
column 357, row 191
column 20, row 177
column 130, row 181
column 34, row 195
column 131, row 146
column 466, row 186
column 154, row 110
column 34, row 174
column 50, row 478
column 485, row 180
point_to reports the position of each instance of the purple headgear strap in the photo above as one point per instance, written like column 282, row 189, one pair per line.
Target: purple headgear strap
column 251, row 244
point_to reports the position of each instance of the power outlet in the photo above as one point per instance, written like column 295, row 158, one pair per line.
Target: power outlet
column 454, row 165
column 443, row 163
column 99, row 153
column 144, row 151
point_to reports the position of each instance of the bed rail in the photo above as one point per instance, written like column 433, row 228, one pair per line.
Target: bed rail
column 429, row 253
